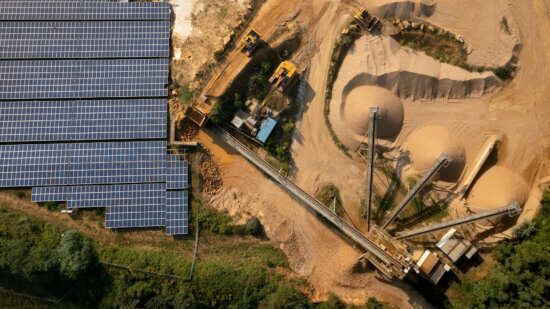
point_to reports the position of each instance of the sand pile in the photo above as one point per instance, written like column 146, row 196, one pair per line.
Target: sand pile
column 425, row 145
column 498, row 187
column 409, row 74
column 350, row 119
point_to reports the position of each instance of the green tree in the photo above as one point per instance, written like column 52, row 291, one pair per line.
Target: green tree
column 75, row 253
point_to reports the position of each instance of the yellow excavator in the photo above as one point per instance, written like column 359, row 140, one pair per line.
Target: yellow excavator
column 366, row 20
column 250, row 41
column 284, row 73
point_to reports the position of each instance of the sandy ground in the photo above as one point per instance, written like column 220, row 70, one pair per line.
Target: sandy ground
column 520, row 111
column 201, row 27
column 314, row 250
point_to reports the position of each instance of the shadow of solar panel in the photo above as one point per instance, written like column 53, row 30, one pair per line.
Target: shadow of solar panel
column 84, row 39
column 83, row 10
column 177, row 213
column 34, row 121
column 94, row 78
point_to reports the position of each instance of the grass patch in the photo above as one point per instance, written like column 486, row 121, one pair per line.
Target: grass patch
column 329, row 195
column 41, row 261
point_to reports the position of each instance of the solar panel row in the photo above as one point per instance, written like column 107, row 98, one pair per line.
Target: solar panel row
column 177, row 212
column 133, row 205
column 80, row 10
column 31, row 165
column 33, row 121
column 96, row 78
column 84, row 39
column 176, row 173
column 103, row 195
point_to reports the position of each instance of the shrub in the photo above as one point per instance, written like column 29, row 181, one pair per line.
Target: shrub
column 254, row 227
column 76, row 255
column 218, row 55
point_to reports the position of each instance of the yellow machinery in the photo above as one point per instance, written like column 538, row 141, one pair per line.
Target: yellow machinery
column 366, row 20
column 284, row 73
column 250, row 41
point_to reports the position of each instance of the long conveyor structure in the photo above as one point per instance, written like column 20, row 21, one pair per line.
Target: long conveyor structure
column 512, row 210
column 442, row 161
column 392, row 263
column 374, row 115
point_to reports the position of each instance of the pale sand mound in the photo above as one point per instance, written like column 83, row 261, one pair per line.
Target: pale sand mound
column 426, row 144
column 409, row 74
column 351, row 118
column 498, row 187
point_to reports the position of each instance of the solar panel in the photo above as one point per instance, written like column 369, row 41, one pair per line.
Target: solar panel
column 177, row 213
column 135, row 216
column 33, row 121
column 95, row 78
column 32, row 165
column 176, row 173
column 80, row 10
column 84, row 39
column 103, row 195
column 49, row 194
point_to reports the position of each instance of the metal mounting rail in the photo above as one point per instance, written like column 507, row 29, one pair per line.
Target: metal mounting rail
column 374, row 115
column 443, row 161
column 512, row 210
column 392, row 266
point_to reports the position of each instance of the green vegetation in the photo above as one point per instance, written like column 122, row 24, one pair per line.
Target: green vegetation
column 45, row 265
column 186, row 94
column 334, row 302
column 521, row 276
column 348, row 36
column 327, row 194
column 253, row 86
column 441, row 46
column 278, row 144
column 45, row 261
column 219, row 55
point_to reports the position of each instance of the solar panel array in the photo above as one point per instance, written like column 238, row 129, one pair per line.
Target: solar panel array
column 89, row 78
column 34, row 121
column 85, row 39
column 83, row 111
column 80, row 10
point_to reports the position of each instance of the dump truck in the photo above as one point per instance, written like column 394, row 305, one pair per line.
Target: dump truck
column 250, row 42
column 284, row 73
column 366, row 20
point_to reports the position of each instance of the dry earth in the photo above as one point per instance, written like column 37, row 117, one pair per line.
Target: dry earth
column 520, row 110
column 201, row 27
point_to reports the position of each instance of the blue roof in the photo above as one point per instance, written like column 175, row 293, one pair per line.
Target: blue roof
column 266, row 128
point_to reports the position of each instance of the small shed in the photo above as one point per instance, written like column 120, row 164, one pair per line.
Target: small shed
column 455, row 247
column 267, row 126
